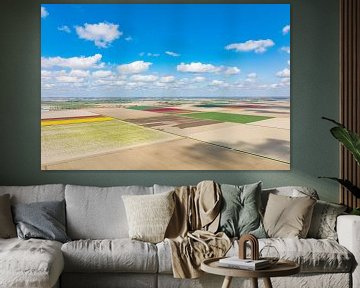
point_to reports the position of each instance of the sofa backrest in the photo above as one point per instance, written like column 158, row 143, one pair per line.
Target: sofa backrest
column 36, row 193
column 98, row 212
column 163, row 188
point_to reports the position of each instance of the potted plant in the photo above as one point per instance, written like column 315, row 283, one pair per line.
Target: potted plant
column 351, row 141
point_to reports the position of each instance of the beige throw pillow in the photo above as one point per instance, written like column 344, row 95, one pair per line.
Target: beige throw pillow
column 7, row 226
column 149, row 215
column 288, row 217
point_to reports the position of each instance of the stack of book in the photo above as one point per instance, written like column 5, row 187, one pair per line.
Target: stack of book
column 248, row 264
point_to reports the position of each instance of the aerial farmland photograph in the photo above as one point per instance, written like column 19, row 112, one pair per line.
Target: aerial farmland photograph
column 165, row 87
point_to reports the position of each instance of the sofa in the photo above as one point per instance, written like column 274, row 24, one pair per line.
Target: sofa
column 100, row 253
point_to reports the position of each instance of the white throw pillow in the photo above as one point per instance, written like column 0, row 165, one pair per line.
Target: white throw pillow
column 149, row 215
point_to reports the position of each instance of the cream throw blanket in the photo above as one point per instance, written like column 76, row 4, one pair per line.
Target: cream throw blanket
column 191, row 231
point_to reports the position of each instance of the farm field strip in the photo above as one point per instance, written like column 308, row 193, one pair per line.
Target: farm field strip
column 63, row 142
column 227, row 117
column 74, row 120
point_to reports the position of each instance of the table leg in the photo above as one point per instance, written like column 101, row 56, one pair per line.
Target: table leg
column 254, row 282
column 227, row 282
column 267, row 283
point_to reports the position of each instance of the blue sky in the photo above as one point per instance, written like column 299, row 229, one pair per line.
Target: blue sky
column 172, row 50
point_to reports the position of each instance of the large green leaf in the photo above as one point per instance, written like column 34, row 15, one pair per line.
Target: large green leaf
column 347, row 184
column 349, row 139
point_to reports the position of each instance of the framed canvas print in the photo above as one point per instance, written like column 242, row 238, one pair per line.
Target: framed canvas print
column 165, row 86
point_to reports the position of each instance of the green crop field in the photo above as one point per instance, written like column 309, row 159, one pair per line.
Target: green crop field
column 141, row 108
column 226, row 117
column 62, row 142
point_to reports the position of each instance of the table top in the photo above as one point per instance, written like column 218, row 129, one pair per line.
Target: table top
column 281, row 268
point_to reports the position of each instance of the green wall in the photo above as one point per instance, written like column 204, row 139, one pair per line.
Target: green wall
column 314, row 93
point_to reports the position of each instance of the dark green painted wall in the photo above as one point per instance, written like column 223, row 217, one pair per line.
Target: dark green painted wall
column 314, row 93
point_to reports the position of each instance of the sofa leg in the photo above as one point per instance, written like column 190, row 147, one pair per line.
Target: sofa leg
column 267, row 283
column 227, row 282
column 254, row 282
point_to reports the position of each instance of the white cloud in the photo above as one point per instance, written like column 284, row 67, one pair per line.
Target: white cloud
column 120, row 82
column 251, row 78
column 134, row 67
column 232, row 70
column 285, row 73
column 44, row 12
column 286, row 49
column 101, row 73
column 167, row 79
column 197, row 67
column 286, row 29
column 288, row 62
column 128, row 38
column 141, row 54
column 143, row 78
column 47, row 85
column 219, row 83
column 134, row 85
column 81, row 62
column 285, row 80
column 153, row 54
column 161, row 84
column 79, row 73
column 173, row 54
column 258, row 46
column 45, row 73
column 199, row 79
column 103, row 34
column 69, row 79
column 64, row 28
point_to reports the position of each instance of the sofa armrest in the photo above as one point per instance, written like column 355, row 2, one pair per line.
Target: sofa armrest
column 348, row 230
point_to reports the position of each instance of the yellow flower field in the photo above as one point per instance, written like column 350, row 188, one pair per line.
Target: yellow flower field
column 51, row 122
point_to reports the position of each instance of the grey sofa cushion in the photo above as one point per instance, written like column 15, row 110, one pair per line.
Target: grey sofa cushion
column 98, row 213
column 117, row 255
column 36, row 193
column 43, row 220
column 30, row 263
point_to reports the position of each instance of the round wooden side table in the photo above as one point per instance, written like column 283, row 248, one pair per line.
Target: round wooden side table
column 281, row 268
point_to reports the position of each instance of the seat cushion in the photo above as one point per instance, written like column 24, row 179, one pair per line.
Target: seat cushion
column 30, row 263
column 117, row 255
column 98, row 213
column 313, row 255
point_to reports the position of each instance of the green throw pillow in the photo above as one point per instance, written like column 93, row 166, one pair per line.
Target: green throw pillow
column 240, row 213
